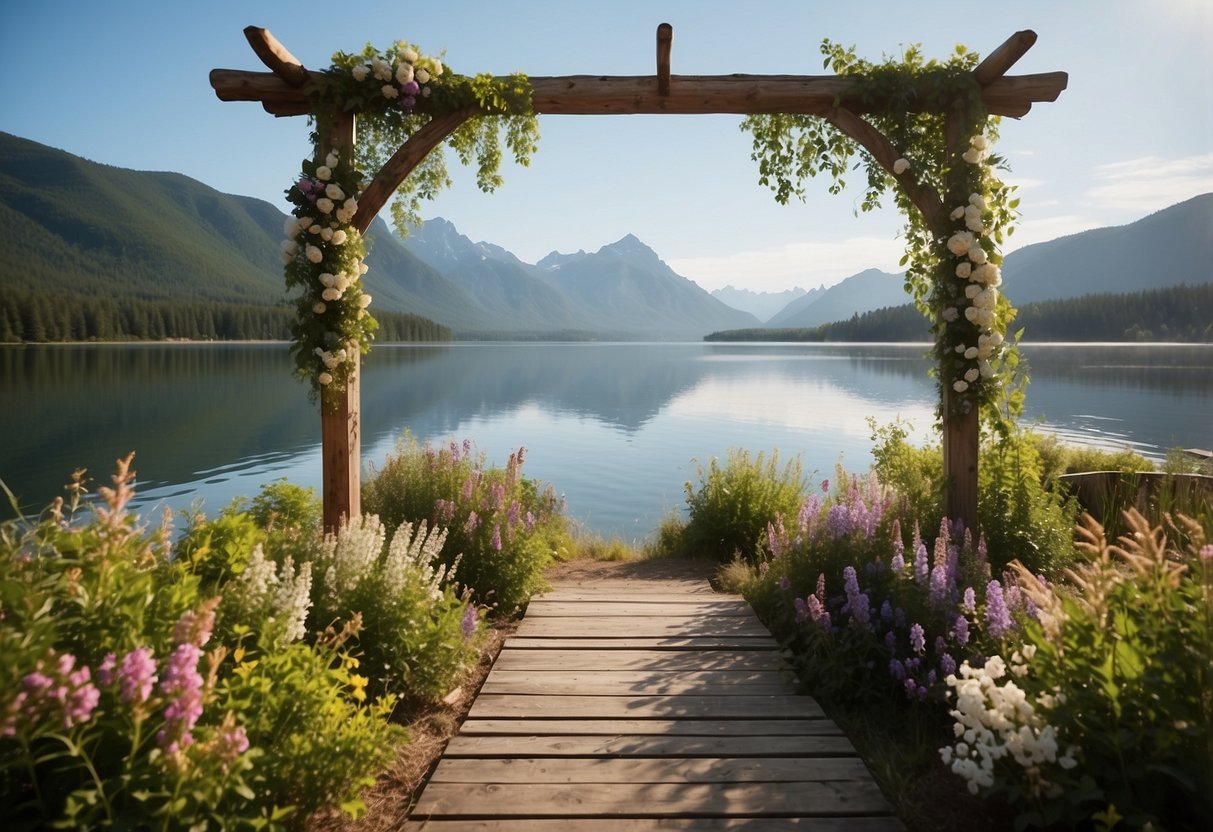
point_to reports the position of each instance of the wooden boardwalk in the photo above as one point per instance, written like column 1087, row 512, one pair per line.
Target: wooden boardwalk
column 638, row 705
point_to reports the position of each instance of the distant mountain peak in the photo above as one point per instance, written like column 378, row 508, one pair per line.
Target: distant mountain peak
column 630, row 246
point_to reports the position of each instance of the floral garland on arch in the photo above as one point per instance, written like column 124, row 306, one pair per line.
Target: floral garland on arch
column 393, row 92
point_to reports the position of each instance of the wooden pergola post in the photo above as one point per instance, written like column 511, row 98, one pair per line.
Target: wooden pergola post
column 836, row 99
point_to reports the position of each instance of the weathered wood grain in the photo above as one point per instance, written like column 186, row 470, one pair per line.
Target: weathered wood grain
column 770, row 706
column 655, row 727
column 644, row 745
column 558, row 658
column 649, row 770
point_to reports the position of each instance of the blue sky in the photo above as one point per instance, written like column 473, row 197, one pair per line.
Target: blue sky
column 125, row 83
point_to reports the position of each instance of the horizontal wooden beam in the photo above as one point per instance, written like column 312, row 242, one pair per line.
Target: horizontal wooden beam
column 689, row 94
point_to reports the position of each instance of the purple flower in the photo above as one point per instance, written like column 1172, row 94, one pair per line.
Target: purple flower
column 969, row 604
column 472, row 523
column 938, row 595
column 820, row 590
column 825, row 486
column 105, row 670
column 469, row 622
column 512, row 514
column 960, row 630
column 947, row 665
column 897, row 670
column 182, row 685
column 495, row 541
column 911, row 687
column 857, row 602
column 802, row 608
column 922, row 569
column 838, row 521
column 465, row 493
column 886, row 611
column 890, row 640
column 998, row 617
column 137, row 675
column 918, row 641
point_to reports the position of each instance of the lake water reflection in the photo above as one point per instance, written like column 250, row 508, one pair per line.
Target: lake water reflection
column 616, row 427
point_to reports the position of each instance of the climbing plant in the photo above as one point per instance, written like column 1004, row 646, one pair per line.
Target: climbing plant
column 393, row 93
column 932, row 114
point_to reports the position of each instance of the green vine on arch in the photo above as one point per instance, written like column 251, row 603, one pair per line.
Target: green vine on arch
column 953, row 258
column 393, row 93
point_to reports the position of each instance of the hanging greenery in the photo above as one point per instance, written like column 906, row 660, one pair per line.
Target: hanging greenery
column 393, row 93
column 953, row 258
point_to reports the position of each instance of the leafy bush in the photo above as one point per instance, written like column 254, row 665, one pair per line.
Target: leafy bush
column 1107, row 715
column 729, row 511
column 418, row 635
column 506, row 528
column 1058, row 458
column 119, row 710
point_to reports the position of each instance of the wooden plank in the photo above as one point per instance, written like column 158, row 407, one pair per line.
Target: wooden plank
column 512, row 658
column 696, row 643
column 646, row 745
column 491, row 705
column 656, row 727
column 708, row 609
column 647, row 770
column 599, row 800
column 604, row 683
column 886, row 823
column 640, row 627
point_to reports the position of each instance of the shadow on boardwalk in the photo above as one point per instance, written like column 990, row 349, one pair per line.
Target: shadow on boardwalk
column 633, row 698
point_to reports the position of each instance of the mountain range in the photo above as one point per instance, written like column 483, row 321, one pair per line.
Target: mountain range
column 81, row 228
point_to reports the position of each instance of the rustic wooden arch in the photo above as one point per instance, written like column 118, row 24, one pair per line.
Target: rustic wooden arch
column 836, row 99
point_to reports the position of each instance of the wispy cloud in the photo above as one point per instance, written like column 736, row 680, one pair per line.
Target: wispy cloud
column 794, row 264
column 1151, row 183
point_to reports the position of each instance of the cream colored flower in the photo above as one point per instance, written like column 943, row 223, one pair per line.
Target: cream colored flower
column 409, row 54
column 986, row 369
column 381, row 69
column 979, row 202
column 422, row 77
column 313, row 254
column 330, row 295
column 404, row 73
column 977, row 254
column 960, row 386
column 326, row 234
column 290, row 247
column 970, row 354
column 325, row 205
column 334, row 192
column 979, row 142
column 950, row 314
column 960, row 242
column 324, row 173
column 972, row 374
column 436, row 68
column 901, row 166
column 339, row 237
column 973, row 156
column 964, row 269
column 360, row 72
column 389, row 91
column 332, row 159
column 327, row 280
column 319, row 308
column 958, row 213
column 342, row 283
column 324, row 378
column 364, row 301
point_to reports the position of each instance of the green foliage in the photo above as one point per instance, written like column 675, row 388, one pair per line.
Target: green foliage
column 505, row 527
column 1120, row 670
column 112, row 715
column 1057, row 458
column 915, row 473
column 729, row 511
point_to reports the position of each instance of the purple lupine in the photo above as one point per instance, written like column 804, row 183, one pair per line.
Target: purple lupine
column 899, row 617
column 938, row 593
column 941, row 644
column 528, row 522
column 857, row 602
column 932, row 677
column 947, row 665
column 969, row 604
column 137, row 675
column 229, row 744
column 465, row 493
column 922, row 567
column 820, row 590
column 444, row 510
column 1013, row 598
column 890, row 640
column 469, row 622
column 886, row 611
column 472, row 523
column 838, row 521
column 777, row 537
column 897, row 670
column 918, row 640
column 182, row 686
column 960, row 630
column 105, row 670
column 496, row 496
column 810, row 510
column 495, row 540
column 911, row 687
column 802, row 608
column 998, row 617
column 512, row 514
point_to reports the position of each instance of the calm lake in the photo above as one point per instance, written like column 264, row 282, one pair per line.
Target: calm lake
column 617, row 428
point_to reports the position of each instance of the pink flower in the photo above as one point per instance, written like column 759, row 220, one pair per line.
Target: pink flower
column 137, row 675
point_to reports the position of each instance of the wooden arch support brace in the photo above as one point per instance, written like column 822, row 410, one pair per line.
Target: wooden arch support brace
column 1004, row 57
column 276, row 56
column 665, row 42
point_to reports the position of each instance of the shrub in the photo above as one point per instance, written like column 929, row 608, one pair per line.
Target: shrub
column 729, row 511
column 418, row 635
column 1107, row 716
column 506, row 528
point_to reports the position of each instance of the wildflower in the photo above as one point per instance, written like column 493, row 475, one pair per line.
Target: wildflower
column 998, row 617
column 802, row 608
column 857, row 602
column 939, row 586
column 918, row 642
column 182, row 685
column 960, row 630
column 897, row 670
column 137, row 675
column 495, row 541
column 969, row 604
column 469, row 621
column 922, row 569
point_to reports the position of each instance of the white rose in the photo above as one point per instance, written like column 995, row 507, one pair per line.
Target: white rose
column 960, row 386
column 289, row 247
column 382, row 69
column 330, row 295
column 326, row 234
column 351, row 205
column 332, row 159
column 901, row 166
column 422, row 77
column 319, row 308
column 364, row 301
column 972, row 313
column 979, row 142
column 986, row 369
column 958, row 213
column 987, row 273
column 334, row 192
column 404, row 73
column 342, row 283
column 960, row 242
column 331, row 361
column 972, row 290
column 988, row 298
column 363, row 268
column 315, row 229
column 339, row 237
column 995, row 339
column 977, row 254
column 290, row 227
column 974, row 224
column 324, row 173
column 314, row 254
column 360, row 72
column 303, row 223
column 324, row 378
column 325, row 204
column 327, row 280
column 389, row 91
column 950, row 314
column 409, row 54
column 971, row 375
column 979, row 201
column 287, row 258
column 436, row 68
column 973, row 156
column 960, row 349
column 963, row 270
column 343, row 215
column 970, row 354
